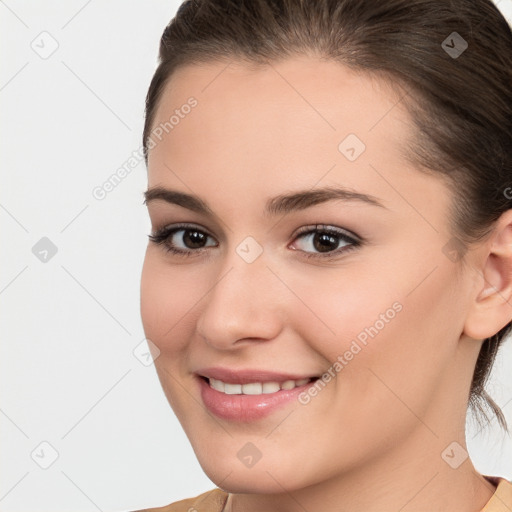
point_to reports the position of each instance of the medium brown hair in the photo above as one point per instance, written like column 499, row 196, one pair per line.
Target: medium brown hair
column 461, row 105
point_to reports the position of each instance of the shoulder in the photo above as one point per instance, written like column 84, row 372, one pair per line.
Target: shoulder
column 501, row 500
column 210, row 501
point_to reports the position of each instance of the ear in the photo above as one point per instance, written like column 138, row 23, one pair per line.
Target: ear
column 491, row 309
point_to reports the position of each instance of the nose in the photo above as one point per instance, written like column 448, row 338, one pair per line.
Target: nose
column 244, row 305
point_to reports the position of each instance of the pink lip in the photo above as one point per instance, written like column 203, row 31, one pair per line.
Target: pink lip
column 246, row 408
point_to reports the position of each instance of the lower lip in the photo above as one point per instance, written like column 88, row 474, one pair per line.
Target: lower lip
column 246, row 408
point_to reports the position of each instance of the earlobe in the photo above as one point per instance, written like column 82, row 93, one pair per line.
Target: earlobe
column 491, row 309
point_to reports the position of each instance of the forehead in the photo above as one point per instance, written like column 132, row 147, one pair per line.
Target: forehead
column 329, row 98
column 294, row 122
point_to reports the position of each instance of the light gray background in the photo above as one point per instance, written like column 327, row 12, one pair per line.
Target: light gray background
column 70, row 325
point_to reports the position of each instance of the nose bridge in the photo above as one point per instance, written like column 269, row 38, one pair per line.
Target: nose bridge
column 242, row 302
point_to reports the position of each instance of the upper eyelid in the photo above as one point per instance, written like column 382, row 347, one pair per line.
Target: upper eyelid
column 182, row 225
column 328, row 228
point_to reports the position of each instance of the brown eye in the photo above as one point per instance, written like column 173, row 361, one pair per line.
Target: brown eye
column 325, row 241
column 182, row 239
column 192, row 239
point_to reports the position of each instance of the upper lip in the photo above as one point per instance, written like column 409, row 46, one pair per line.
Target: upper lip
column 232, row 376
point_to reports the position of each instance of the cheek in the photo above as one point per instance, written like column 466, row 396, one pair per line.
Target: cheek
column 167, row 296
column 392, row 328
column 340, row 310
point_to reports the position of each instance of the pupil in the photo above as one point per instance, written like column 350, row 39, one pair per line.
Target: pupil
column 326, row 242
column 195, row 239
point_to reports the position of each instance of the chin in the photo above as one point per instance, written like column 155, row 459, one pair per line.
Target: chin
column 246, row 482
column 269, row 477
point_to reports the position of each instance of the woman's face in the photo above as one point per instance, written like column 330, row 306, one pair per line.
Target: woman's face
column 370, row 300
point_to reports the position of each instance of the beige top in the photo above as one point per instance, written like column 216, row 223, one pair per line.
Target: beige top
column 214, row 500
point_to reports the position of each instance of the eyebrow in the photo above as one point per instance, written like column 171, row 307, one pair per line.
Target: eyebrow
column 282, row 204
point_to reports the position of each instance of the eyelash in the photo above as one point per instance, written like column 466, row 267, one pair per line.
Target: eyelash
column 161, row 237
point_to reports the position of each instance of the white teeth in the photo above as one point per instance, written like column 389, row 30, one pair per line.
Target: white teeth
column 217, row 384
column 232, row 389
column 270, row 387
column 288, row 384
column 255, row 388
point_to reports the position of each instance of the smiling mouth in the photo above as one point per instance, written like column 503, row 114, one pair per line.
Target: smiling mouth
column 256, row 388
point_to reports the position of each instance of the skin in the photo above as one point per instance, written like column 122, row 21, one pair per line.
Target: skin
column 372, row 439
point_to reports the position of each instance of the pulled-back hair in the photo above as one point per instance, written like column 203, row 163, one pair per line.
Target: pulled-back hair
column 460, row 103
